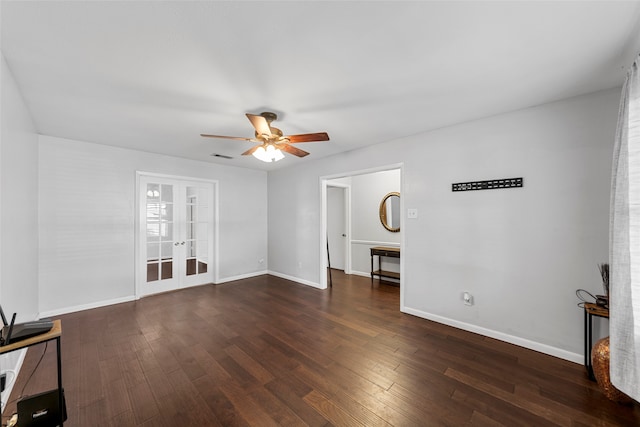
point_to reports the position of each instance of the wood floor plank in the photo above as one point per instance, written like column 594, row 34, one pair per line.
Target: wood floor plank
column 278, row 410
column 249, row 364
column 268, row 351
column 274, row 361
column 147, row 360
column 111, row 370
column 163, row 355
column 530, row 406
column 429, row 407
column 94, row 413
column 122, row 419
column 607, row 414
column 497, row 410
column 116, row 399
column 255, row 414
column 330, row 411
column 145, row 406
column 90, row 379
column 225, row 412
column 367, row 368
column 333, row 389
column 159, row 384
column 291, row 391
column 479, row 419
column 188, row 364
column 185, row 406
column 132, row 371
column 239, row 374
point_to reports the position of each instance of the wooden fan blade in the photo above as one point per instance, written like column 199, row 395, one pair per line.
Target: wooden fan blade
column 229, row 137
column 251, row 150
column 260, row 123
column 308, row 137
column 292, row 150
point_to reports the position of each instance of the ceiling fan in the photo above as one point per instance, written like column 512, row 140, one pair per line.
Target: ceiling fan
column 272, row 141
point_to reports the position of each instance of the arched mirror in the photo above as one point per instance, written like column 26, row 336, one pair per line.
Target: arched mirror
column 390, row 212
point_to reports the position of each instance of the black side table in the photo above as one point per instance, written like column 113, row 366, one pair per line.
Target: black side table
column 590, row 310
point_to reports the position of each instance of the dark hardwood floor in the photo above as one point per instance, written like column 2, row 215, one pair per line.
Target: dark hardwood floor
column 269, row 352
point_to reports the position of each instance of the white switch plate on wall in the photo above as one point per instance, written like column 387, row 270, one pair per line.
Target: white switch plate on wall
column 412, row 213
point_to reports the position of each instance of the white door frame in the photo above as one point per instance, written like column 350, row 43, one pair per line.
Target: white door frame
column 140, row 273
column 323, row 221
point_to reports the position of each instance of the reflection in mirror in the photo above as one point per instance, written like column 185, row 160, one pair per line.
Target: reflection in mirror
column 390, row 212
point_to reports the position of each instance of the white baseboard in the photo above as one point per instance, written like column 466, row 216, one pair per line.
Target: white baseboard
column 368, row 274
column 361, row 273
column 98, row 304
column 241, row 276
column 522, row 342
column 296, row 279
column 89, row 306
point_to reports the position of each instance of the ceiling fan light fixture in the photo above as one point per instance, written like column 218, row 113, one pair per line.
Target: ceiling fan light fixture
column 268, row 154
column 272, row 142
column 277, row 155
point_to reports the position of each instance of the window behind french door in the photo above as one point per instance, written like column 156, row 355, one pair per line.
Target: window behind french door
column 175, row 236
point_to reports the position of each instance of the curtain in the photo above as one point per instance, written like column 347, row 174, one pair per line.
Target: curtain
column 624, row 245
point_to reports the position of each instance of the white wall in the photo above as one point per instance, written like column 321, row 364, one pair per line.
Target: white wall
column 521, row 252
column 87, row 212
column 367, row 191
column 18, row 211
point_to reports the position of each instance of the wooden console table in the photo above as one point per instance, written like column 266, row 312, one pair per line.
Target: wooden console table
column 382, row 251
column 54, row 334
column 590, row 310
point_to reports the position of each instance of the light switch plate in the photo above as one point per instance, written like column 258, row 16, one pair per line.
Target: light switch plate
column 412, row 213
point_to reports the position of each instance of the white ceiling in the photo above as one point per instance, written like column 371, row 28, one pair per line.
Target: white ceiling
column 152, row 75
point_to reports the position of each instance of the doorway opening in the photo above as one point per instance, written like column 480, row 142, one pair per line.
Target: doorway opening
column 351, row 223
column 338, row 226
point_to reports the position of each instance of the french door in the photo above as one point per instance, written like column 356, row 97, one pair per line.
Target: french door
column 175, row 236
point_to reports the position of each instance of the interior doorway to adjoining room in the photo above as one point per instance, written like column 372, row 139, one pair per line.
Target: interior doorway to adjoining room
column 362, row 193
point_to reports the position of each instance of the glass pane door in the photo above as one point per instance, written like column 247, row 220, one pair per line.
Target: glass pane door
column 197, row 225
column 176, row 234
column 158, row 244
column 160, row 231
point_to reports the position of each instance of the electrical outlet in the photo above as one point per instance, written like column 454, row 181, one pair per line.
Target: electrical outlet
column 467, row 298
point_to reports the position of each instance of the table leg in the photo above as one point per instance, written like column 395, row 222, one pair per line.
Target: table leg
column 60, row 391
column 589, row 344
column 371, row 269
column 586, row 339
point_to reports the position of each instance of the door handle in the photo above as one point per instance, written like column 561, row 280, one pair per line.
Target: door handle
column 344, row 235
column 176, row 243
column 182, row 243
